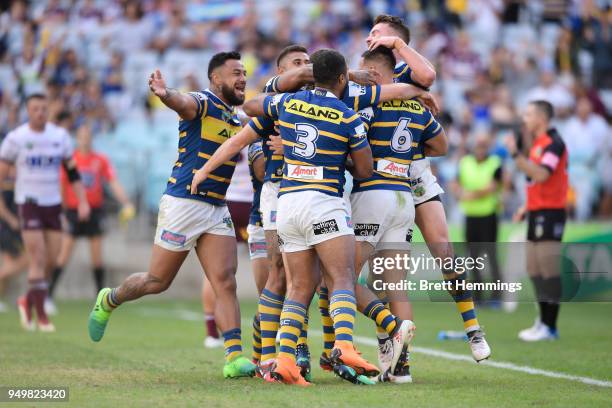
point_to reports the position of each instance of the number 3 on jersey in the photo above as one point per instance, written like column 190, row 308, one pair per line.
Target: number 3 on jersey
column 402, row 137
column 307, row 135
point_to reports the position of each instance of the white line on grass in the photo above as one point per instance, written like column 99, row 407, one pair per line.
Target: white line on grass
column 189, row 315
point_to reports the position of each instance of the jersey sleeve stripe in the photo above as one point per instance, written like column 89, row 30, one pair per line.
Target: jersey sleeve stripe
column 402, row 72
column 257, row 123
column 349, row 120
column 429, row 123
column 373, row 99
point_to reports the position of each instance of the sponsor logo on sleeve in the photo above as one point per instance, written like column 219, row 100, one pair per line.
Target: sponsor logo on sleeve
column 366, row 113
column 173, row 238
column 366, row 230
column 360, row 131
column 277, row 98
column 305, row 172
column 199, row 95
column 356, row 89
column 325, row 227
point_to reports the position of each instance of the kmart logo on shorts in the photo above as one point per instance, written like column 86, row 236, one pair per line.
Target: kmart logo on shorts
column 173, row 238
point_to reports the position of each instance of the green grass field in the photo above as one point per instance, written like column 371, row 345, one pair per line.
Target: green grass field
column 152, row 356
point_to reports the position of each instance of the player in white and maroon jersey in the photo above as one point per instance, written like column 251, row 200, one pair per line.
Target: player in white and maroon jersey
column 38, row 149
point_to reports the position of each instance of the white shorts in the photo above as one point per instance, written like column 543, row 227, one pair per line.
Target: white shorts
column 383, row 218
column 422, row 181
column 268, row 202
column 181, row 222
column 307, row 218
column 257, row 242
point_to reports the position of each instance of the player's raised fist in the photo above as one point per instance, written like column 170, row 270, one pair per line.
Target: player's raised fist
column 157, row 85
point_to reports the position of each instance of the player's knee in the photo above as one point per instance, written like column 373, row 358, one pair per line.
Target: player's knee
column 155, row 285
column 224, row 284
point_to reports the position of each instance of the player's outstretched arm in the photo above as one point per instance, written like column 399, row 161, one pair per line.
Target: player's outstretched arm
column 255, row 106
column 423, row 71
column 225, row 152
column 183, row 104
column 437, row 146
column 389, row 92
column 294, row 79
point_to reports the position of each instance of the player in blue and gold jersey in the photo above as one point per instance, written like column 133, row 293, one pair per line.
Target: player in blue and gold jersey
column 399, row 131
column 197, row 217
column 392, row 33
column 318, row 133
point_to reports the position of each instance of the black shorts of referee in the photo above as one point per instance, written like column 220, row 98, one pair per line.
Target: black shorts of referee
column 92, row 227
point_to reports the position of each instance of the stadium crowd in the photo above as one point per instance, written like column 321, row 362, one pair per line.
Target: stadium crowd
column 491, row 56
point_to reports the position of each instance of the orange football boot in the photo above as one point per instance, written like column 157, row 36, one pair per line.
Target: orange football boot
column 344, row 352
column 287, row 372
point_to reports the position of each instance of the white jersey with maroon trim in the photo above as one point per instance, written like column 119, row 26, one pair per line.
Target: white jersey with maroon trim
column 38, row 158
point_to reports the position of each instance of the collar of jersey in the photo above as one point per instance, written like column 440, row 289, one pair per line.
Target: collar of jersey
column 327, row 93
column 219, row 100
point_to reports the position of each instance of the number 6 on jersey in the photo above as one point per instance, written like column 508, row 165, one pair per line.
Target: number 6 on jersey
column 402, row 137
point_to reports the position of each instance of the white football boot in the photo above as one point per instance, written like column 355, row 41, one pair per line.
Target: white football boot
column 479, row 346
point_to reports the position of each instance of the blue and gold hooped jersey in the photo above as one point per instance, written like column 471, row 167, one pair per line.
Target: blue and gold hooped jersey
column 255, row 152
column 397, row 132
column 318, row 132
column 355, row 96
column 401, row 74
column 199, row 138
column 264, row 127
